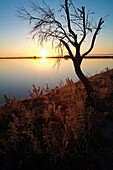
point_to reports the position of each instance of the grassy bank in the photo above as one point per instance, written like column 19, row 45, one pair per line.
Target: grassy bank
column 58, row 130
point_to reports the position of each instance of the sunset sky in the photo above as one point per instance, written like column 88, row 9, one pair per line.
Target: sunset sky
column 15, row 39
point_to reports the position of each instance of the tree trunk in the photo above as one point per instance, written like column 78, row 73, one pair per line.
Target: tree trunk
column 82, row 77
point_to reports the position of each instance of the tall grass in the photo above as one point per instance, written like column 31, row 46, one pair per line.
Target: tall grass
column 56, row 130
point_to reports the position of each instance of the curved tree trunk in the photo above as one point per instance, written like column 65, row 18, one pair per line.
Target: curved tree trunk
column 82, row 77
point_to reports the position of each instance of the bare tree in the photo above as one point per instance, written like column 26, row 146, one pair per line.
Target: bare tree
column 72, row 31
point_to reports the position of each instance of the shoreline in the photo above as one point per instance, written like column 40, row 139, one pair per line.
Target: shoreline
column 56, row 57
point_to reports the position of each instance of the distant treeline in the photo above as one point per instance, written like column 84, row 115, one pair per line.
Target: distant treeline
column 58, row 57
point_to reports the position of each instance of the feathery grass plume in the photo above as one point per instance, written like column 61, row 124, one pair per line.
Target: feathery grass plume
column 47, row 89
column 36, row 91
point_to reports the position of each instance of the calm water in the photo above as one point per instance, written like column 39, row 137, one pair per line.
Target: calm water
column 17, row 76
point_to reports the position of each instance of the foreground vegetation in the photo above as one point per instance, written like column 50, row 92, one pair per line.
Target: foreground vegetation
column 59, row 130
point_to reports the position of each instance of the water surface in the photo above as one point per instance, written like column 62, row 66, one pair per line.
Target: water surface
column 17, row 76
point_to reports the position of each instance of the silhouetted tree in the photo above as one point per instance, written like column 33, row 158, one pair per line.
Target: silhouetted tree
column 71, row 31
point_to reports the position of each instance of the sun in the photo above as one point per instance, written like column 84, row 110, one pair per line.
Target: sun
column 44, row 54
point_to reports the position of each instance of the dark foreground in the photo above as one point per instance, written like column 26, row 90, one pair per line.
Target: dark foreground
column 59, row 130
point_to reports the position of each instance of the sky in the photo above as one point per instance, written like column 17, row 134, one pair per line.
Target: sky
column 15, row 39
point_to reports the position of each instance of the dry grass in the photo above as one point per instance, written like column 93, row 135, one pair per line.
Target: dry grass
column 57, row 130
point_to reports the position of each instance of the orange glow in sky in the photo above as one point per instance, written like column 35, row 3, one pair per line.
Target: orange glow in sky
column 15, row 39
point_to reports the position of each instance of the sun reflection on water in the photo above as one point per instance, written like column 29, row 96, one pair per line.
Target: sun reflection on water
column 44, row 54
column 44, row 60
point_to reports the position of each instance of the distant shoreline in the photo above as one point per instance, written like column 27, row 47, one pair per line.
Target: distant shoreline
column 55, row 57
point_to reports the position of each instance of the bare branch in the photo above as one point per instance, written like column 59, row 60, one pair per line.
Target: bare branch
column 68, row 20
column 101, row 21
column 84, row 25
column 68, row 48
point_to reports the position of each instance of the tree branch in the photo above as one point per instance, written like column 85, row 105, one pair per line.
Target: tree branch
column 68, row 48
column 65, row 34
column 101, row 21
column 84, row 25
column 68, row 20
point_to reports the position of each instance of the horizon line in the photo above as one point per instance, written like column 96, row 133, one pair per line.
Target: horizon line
column 58, row 57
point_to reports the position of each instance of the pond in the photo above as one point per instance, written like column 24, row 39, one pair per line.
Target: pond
column 18, row 75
